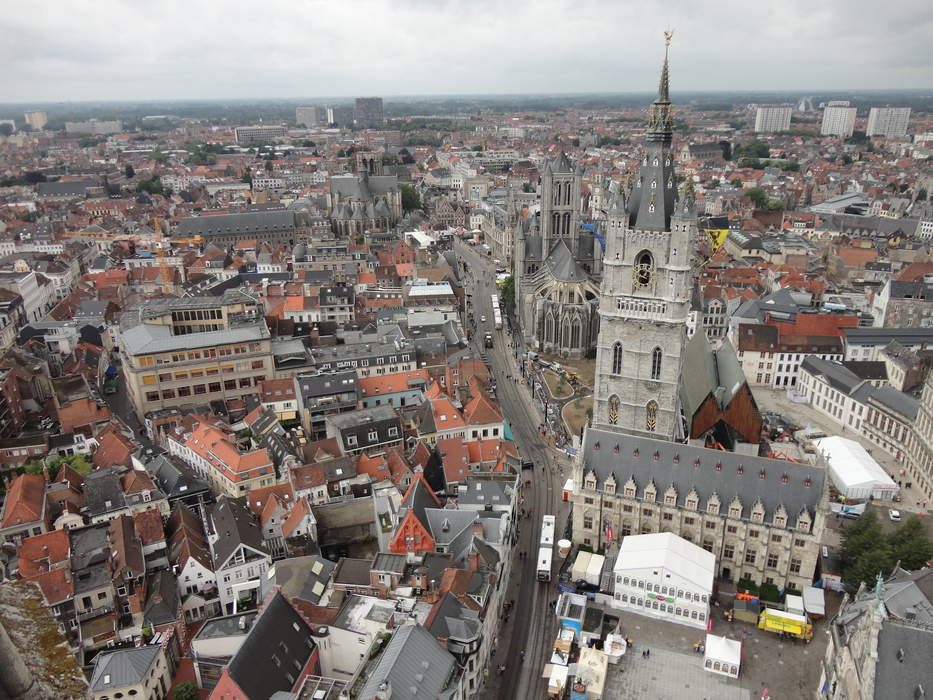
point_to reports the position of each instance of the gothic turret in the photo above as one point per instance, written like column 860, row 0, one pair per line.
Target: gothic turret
column 654, row 193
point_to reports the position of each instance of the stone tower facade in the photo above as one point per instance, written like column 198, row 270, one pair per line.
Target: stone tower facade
column 647, row 281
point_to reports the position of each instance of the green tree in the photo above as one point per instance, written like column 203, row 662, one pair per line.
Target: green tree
column 247, row 177
column 6, row 129
column 129, row 171
column 910, row 545
column 714, row 183
column 186, row 691
column 34, row 176
column 411, row 200
column 758, row 196
column 269, row 166
column 847, row 160
column 922, row 195
column 153, row 186
column 752, row 149
column 508, row 292
column 736, row 182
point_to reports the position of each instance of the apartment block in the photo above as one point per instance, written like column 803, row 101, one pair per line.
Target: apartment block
column 890, row 122
column 838, row 119
column 197, row 349
column 247, row 134
column 772, row 118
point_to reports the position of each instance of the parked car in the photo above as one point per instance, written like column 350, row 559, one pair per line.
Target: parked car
column 894, row 515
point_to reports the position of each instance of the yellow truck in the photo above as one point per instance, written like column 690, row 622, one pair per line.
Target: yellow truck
column 787, row 623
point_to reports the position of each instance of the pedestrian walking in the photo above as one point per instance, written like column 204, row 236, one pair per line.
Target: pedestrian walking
column 647, row 653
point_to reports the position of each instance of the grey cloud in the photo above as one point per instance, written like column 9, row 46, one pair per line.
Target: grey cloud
column 128, row 50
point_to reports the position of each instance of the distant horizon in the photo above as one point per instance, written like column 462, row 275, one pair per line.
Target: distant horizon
column 428, row 97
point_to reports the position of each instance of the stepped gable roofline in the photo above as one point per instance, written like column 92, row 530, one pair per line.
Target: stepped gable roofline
column 749, row 478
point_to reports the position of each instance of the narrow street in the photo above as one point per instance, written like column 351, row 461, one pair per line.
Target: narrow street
column 531, row 623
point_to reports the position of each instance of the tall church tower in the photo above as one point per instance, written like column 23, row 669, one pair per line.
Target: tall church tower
column 645, row 292
column 560, row 204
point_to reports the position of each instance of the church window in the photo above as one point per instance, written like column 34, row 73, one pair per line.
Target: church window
column 557, row 193
column 566, row 224
column 617, row 358
column 548, row 329
column 651, row 416
column 656, row 363
column 614, row 409
column 575, row 334
column 567, row 194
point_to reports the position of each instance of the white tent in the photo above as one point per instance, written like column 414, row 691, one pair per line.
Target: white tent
column 853, row 471
column 722, row 655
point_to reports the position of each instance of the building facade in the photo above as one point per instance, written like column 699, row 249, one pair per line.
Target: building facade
column 838, row 119
column 557, row 268
column 890, row 122
column 645, row 297
column 772, row 118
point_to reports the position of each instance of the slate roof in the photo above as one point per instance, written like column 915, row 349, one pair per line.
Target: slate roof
column 903, row 665
column 708, row 371
column 451, row 528
column 122, row 668
column 162, row 603
column 560, row 264
column 706, row 478
column 274, row 652
column 414, row 664
column 234, row 525
column 451, row 621
column 243, row 223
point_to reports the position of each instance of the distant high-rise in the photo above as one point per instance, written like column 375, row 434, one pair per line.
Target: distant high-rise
column 259, row 133
column 890, row 122
column 37, row 119
column 307, row 116
column 367, row 112
column 772, row 118
column 838, row 119
column 340, row 115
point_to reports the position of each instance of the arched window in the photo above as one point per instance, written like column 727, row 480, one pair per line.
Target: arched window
column 567, row 224
column 548, row 328
column 617, row 358
column 557, row 193
column 651, row 416
column 555, row 224
column 567, row 190
column 656, row 363
column 644, row 269
column 614, row 409
column 575, row 334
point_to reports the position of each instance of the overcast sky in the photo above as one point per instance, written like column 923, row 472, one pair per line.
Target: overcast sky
column 108, row 49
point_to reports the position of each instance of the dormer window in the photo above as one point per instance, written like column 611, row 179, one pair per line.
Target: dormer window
column 616, row 449
column 654, row 184
column 656, row 456
column 691, row 503
column 635, row 452
column 740, row 470
column 784, row 478
column 596, row 445
column 761, row 474
column 676, row 459
column 630, row 492
column 718, row 466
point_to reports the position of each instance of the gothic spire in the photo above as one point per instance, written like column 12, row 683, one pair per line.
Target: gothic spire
column 661, row 121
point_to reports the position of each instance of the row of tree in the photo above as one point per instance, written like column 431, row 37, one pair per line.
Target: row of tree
column 868, row 550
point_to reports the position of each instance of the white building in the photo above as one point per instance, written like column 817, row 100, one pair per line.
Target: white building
column 890, row 122
column 838, row 119
column 772, row 118
column 853, row 471
column 664, row 576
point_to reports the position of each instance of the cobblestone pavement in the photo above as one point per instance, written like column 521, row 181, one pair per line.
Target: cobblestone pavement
column 669, row 675
column 790, row 670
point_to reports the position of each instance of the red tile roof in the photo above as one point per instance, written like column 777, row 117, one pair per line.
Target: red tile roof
column 25, row 501
column 149, row 526
column 392, row 383
column 41, row 553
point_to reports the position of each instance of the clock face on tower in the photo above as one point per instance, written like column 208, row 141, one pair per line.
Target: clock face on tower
column 643, row 272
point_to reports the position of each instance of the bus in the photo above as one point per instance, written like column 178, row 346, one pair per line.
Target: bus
column 496, row 312
column 547, row 531
column 544, row 564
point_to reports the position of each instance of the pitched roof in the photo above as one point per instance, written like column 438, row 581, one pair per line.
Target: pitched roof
column 414, row 663
column 481, row 410
column 707, row 471
column 40, row 553
column 25, row 501
column 117, row 669
column 234, row 526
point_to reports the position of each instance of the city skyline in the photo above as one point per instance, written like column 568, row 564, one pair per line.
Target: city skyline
column 186, row 52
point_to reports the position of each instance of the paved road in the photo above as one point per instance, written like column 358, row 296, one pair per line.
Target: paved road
column 532, row 623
